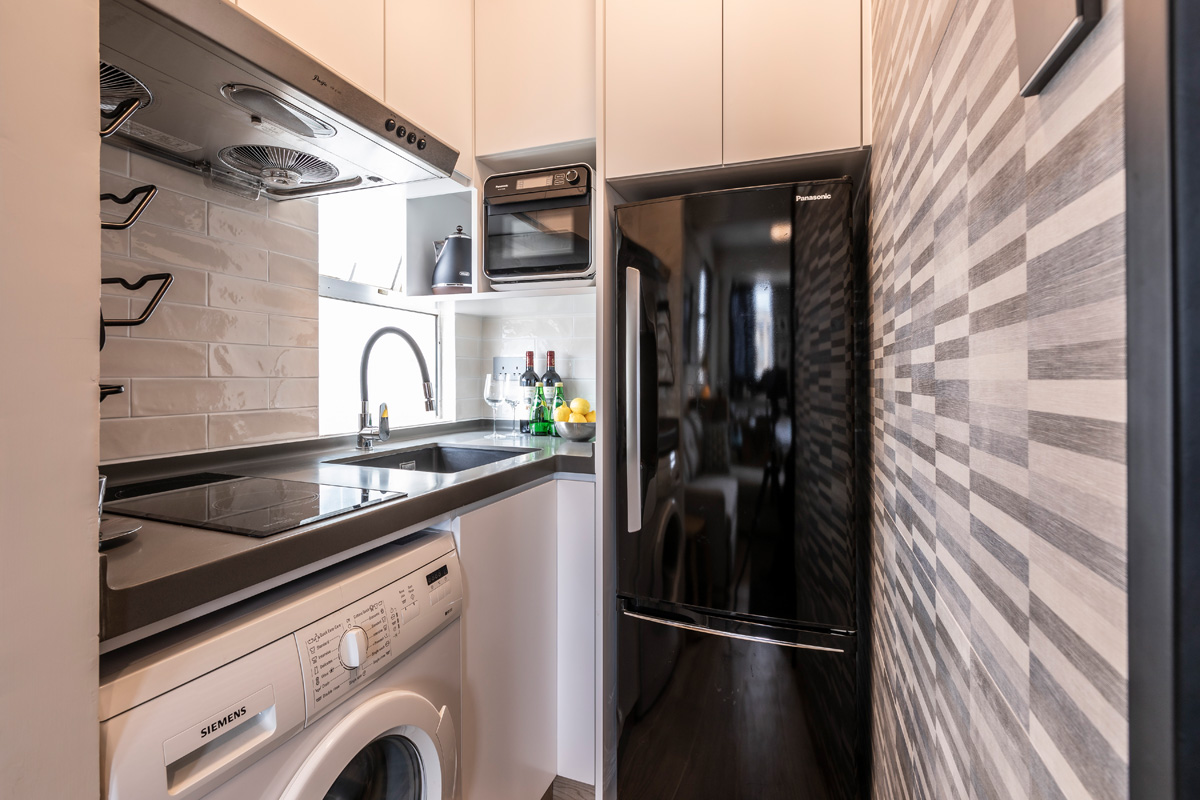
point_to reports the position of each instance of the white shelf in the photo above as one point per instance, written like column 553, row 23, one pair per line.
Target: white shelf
column 495, row 304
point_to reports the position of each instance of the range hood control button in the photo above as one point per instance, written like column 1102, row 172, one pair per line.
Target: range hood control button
column 353, row 648
column 412, row 137
column 421, row 144
column 390, row 125
column 401, row 131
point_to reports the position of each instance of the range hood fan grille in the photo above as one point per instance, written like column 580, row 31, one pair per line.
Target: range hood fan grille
column 117, row 86
column 278, row 166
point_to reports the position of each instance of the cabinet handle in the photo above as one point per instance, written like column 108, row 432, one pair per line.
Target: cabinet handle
column 633, row 393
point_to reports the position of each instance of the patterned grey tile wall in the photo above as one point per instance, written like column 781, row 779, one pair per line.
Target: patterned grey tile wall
column 230, row 357
column 998, row 382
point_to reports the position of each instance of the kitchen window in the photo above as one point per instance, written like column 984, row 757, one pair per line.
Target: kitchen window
column 362, row 244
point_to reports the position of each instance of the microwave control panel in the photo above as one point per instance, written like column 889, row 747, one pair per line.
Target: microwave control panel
column 574, row 179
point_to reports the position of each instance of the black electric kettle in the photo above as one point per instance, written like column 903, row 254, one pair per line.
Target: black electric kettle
column 452, row 264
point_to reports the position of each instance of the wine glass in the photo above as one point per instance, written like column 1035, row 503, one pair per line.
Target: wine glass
column 514, row 394
column 493, row 395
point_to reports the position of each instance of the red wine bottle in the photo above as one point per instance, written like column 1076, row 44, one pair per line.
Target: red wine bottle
column 528, row 382
column 551, row 377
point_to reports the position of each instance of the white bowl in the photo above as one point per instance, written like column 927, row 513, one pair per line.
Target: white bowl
column 576, row 431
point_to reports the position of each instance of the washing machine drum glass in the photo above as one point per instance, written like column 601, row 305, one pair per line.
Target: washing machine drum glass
column 388, row 768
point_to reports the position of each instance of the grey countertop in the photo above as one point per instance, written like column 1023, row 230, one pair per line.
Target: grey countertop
column 167, row 570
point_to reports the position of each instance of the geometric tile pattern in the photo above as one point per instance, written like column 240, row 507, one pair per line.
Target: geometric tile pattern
column 997, row 346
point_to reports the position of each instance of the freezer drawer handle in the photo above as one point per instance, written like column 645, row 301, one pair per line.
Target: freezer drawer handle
column 633, row 393
column 728, row 635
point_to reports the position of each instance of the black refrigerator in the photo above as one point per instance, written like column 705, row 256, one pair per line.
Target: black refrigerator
column 741, row 667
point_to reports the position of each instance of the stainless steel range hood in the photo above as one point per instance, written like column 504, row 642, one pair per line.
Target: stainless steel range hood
column 230, row 98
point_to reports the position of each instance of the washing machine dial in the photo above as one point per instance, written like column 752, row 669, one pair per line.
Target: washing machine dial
column 353, row 648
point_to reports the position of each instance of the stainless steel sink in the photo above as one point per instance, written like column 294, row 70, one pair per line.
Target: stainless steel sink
column 435, row 458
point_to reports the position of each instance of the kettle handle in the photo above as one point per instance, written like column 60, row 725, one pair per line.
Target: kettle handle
column 438, row 247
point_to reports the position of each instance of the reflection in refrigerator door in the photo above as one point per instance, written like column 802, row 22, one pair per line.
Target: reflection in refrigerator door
column 738, row 494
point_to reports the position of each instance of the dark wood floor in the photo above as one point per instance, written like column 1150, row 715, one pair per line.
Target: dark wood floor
column 730, row 724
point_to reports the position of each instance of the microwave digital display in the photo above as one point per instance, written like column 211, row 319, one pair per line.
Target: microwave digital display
column 535, row 183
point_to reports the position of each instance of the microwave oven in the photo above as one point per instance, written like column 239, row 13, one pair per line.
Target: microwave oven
column 538, row 228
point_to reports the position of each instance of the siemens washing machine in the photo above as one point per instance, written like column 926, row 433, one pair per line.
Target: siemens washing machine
column 341, row 686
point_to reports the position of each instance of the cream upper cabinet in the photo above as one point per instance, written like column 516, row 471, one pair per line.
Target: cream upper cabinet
column 535, row 73
column 699, row 83
column 347, row 35
column 429, row 69
column 662, row 85
column 792, row 77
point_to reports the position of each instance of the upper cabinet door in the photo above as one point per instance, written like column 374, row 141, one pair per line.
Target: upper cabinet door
column 429, row 59
column 662, row 85
column 535, row 73
column 793, row 77
column 347, row 35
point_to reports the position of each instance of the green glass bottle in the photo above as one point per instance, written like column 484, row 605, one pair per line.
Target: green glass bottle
column 559, row 401
column 539, row 413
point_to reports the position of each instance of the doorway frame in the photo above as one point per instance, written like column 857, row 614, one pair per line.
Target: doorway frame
column 1162, row 115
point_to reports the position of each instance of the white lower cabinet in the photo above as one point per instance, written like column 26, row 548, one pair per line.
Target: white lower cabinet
column 577, row 630
column 528, row 647
column 509, row 683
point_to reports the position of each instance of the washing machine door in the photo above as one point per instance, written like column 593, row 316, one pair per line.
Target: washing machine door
column 368, row 756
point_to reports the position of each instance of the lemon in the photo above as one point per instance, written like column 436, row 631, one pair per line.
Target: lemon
column 577, row 418
column 561, row 414
column 580, row 406
column 591, row 416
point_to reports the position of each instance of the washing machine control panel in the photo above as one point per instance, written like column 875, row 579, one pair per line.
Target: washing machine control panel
column 348, row 648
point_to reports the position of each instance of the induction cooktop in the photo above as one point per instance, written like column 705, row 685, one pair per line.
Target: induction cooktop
column 246, row 506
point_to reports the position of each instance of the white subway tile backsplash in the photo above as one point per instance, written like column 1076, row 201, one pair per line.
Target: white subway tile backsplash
column 114, row 160
column 167, row 246
column 115, row 242
column 227, row 430
column 115, row 308
column 190, row 285
column 153, row 397
column 292, row 271
column 135, row 358
column 293, row 332
column 262, row 362
column 294, row 392
column 115, row 405
column 198, row 324
column 225, row 291
column 230, row 357
column 151, row 436
column 301, row 213
column 570, row 332
column 253, row 230
column 525, row 327
column 168, row 208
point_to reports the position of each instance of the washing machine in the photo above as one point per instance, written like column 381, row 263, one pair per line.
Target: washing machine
column 342, row 685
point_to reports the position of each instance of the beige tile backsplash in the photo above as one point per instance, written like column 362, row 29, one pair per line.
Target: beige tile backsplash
column 230, row 357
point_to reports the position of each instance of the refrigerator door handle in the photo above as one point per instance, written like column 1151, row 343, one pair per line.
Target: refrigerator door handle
column 633, row 393
column 729, row 634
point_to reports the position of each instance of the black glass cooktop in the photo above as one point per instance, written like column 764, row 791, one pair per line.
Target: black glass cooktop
column 246, row 506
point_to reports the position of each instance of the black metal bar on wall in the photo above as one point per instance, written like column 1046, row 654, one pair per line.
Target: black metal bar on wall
column 1162, row 112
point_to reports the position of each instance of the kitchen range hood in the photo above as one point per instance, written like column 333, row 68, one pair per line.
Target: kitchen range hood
column 204, row 86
